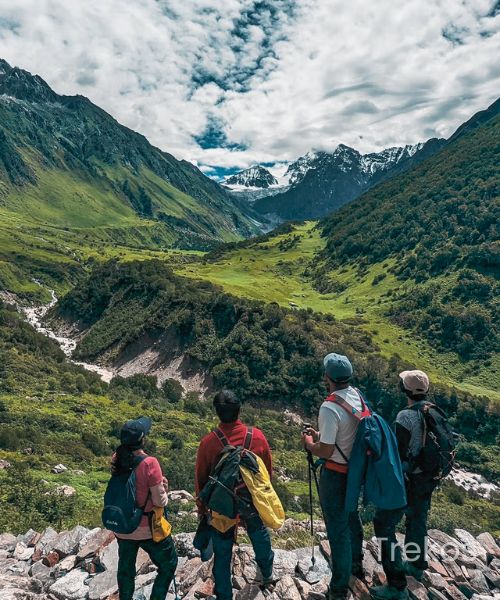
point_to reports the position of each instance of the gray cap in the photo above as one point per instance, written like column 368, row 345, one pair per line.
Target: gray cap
column 338, row 367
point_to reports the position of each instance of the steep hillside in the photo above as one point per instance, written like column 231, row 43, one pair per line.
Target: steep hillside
column 438, row 226
column 66, row 163
column 322, row 182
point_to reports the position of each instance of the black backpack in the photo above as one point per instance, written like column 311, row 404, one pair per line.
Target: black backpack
column 225, row 491
column 437, row 456
column 121, row 513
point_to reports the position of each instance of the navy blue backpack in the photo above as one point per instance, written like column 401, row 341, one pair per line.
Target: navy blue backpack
column 121, row 513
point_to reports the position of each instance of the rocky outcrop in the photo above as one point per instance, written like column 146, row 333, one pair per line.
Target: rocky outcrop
column 81, row 564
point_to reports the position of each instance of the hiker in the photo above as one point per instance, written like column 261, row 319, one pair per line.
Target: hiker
column 334, row 442
column 130, row 462
column 232, row 432
column 423, row 471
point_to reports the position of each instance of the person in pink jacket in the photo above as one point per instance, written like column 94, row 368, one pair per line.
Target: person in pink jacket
column 151, row 491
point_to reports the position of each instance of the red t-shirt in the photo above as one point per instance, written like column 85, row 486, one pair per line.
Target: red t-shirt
column 211, row 447
column 148, row 474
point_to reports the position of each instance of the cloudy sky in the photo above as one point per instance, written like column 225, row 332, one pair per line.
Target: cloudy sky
column 230, row 83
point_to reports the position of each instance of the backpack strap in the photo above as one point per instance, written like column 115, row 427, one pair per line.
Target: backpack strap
column 248, row 438
column 221, row 437
column 351, row 410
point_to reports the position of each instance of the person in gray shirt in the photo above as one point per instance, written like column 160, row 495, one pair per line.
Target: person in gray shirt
column 409, row 434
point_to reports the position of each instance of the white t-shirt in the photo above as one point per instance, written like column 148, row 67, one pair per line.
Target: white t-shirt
column 336, row 426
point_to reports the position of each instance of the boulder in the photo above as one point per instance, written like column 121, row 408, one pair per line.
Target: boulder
column 455, row 593
column 478, row 581
column 22, row 552
column 46, row 541
column 473, row 548
column 65, row 565
column 60, row 468
column 286, row 588
column 312, row 573
column 7, row 541
column 65, row 490
column 434, row 580
column 416, row 589
column 4, row 464
column 71, row 586
column 107, row 556
column 30, row 538
column 68, row 541
column 51, row 559
column 435, row 594
column 102, row 585
column 41, row 572
column 285, row 562
column 93, row 541
column 250, row 592
column 488, row 543
column 201, row 589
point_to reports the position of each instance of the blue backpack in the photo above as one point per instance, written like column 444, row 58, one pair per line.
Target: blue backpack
column 121, row 513
column 374, row 465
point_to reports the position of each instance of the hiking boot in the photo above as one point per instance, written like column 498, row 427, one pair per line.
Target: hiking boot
column 413, row 571
column 268, row 583
column 388, row 592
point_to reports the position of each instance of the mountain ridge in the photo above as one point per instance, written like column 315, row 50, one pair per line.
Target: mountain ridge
column 43, row 134
column 323, row 181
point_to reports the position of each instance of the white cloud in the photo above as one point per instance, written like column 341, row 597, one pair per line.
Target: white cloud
column 276, row 81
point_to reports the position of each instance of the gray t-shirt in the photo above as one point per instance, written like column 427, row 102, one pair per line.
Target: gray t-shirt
column 336, row 426
column 411, row 419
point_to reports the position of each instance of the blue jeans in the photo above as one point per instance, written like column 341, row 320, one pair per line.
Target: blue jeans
column 223, row 550
column 344, row 530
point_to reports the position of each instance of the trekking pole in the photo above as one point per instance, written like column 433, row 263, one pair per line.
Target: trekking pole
column 176, row 594
column 310, row 471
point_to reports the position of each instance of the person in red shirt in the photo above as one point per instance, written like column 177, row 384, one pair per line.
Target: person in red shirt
column 228, row 407
column 151, row 490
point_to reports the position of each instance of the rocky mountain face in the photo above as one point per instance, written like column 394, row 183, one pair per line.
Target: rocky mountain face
column 255, row 177
column 50, row 142
column 320, row 182
column 254, row 183
column 81, row 564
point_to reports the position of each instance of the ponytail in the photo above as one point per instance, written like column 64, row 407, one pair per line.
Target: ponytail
column 124, row 459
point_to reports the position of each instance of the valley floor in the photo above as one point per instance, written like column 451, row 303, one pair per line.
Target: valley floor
column 271, row 272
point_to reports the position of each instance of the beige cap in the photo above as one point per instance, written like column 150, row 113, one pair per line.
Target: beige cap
column 415, row 382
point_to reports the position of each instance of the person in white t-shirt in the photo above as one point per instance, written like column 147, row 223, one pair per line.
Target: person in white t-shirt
column 334, row 442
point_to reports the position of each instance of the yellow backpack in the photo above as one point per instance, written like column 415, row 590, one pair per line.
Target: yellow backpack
column 264, row 498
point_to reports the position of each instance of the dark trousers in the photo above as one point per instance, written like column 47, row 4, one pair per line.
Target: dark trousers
column 223, row 550
column 384, row 523
column 344, row 530
column 419, row 503
column 419, row 492
column 162, row 554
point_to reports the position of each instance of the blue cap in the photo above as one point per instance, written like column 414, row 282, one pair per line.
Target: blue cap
column 338, row 367
column 135, row 430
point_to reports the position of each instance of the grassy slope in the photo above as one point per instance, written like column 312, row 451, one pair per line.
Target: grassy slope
column 264, row 272
column 41, row 409
column 58, row 256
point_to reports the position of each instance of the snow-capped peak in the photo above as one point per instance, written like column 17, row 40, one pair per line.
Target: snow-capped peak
column 254, row 177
